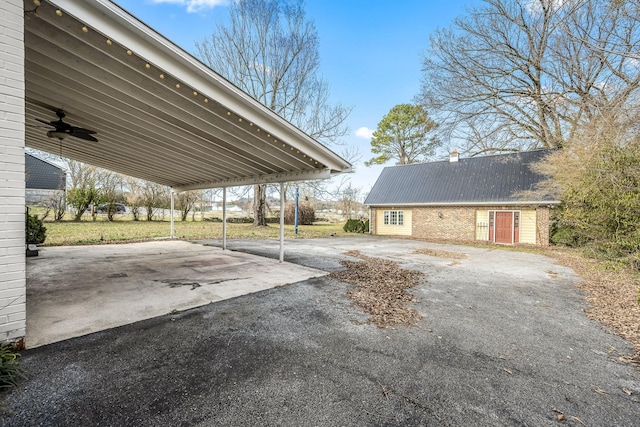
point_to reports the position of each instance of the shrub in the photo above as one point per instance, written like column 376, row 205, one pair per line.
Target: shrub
column 35, row 231
column 306, row 214
column 10, row 371
column 356, row 226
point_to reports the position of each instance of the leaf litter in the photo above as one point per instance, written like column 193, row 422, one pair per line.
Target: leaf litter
column 381, row 289
column 613, row 296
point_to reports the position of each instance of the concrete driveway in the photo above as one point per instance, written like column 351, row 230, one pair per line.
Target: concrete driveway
column 504, row 341
column 77, row 290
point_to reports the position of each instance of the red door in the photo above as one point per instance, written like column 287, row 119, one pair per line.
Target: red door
column 504, row 227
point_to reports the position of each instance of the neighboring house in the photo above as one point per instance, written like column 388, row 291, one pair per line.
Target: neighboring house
column 44, row 180
column 463, row 200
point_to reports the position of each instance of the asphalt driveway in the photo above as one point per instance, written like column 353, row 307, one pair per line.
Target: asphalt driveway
column 504, row 341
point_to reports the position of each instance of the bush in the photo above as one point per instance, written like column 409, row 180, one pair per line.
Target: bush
column 356, row 226
column 565, row 235
column 36, row 233
column 10, row 372
column 306, row 214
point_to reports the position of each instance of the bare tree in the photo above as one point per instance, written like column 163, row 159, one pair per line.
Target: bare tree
column 186, row 201
column 83, row 192
column 270, row 51
column 57, row 202
column 135, row 196
column 349, row 200
column 111, row 185
column 154, row 196
column 521, row 74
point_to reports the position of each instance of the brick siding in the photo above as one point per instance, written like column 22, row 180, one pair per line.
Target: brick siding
column 458, row 223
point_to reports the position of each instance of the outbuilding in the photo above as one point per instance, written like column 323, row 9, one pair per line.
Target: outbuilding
column 471, row 199
column 43, row 180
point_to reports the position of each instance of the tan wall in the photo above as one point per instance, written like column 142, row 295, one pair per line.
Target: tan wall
column 462, row 223
column 528, row 226
column 482, row 224
column 393, row 230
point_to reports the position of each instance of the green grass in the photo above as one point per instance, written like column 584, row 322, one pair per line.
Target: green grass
column 125, row 230
column 10, row 371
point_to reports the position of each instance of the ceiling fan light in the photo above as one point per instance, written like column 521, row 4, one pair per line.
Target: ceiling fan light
column 56, row 134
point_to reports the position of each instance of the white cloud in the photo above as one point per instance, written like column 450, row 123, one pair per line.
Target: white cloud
column 195, row 5
column 364, row 132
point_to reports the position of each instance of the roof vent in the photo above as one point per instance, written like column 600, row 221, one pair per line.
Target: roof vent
column 453, row 157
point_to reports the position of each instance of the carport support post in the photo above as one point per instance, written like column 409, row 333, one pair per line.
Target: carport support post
column 224, row 218
column 173, row 234
column 281, row 221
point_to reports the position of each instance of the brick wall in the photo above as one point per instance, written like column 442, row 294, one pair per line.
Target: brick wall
column 459, row 222
column 543, row 224
column 372, row 220
column 456, row 223
column 12, row 178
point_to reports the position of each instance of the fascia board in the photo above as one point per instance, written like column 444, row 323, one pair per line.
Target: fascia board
column 262, row 179
column 487, row 203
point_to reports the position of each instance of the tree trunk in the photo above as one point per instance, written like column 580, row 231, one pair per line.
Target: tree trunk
column 259, row 205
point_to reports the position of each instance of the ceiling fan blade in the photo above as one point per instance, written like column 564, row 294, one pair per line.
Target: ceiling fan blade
column 46, row 123
column 63, row 129
column 84, row 136
column 76, row 129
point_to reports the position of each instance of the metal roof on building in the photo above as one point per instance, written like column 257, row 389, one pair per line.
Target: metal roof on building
column 43, row 175
column 495, row 179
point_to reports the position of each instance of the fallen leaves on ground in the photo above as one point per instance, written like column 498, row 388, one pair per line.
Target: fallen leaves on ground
column 612, row 296
column 381, row 289
column 440, row 253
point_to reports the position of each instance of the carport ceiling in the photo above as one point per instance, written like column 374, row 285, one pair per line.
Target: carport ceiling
column 160, row 114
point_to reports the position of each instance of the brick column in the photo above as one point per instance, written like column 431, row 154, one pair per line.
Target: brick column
column 12, row 175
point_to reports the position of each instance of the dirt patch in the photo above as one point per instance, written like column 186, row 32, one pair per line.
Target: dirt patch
column 381, row 289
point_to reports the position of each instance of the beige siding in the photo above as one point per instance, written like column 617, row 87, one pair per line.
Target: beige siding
column 528, row 226
column 482, row 225
column 393, row 230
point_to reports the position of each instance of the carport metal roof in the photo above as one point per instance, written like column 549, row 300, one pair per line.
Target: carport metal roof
column 161, row 115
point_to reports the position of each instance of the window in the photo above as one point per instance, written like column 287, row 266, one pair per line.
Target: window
column 393, row 217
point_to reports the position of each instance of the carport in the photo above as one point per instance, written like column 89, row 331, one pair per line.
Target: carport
column 159, row 113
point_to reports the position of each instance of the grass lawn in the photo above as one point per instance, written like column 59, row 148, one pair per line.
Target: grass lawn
column 123, row 230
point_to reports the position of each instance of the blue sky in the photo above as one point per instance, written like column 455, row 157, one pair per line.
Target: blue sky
column 370, row 51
